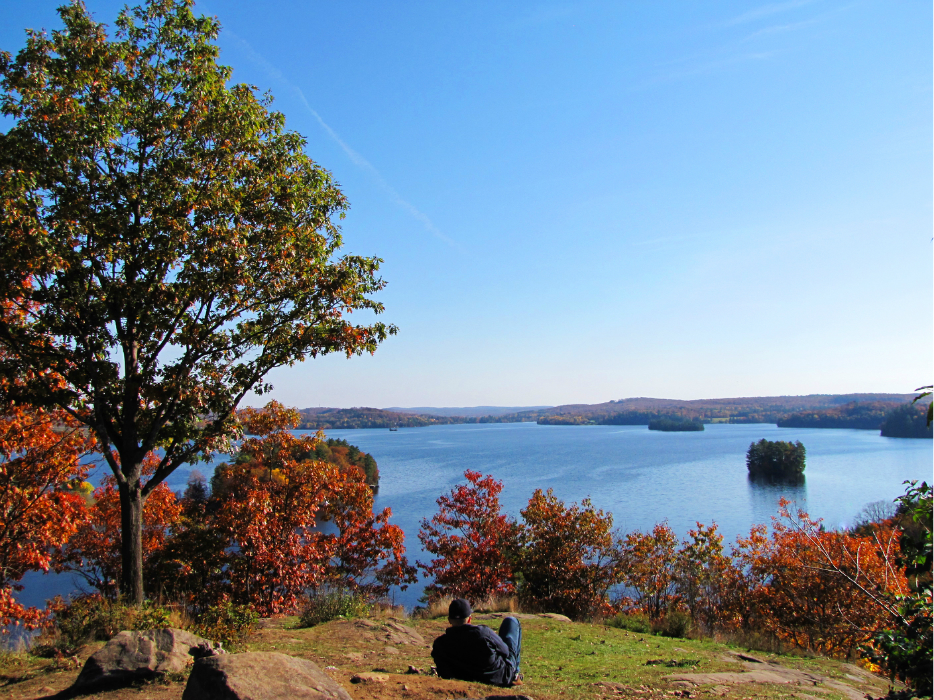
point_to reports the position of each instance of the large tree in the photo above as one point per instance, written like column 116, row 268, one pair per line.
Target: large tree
column 164, row 240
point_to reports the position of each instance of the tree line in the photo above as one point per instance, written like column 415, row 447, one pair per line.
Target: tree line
column 892, row 420
column 352, row 418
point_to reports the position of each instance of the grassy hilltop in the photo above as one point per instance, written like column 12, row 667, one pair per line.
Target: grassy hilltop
column 561, row 660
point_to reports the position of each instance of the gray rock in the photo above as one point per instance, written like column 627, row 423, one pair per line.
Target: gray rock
column 140, row 655
column 260, row 675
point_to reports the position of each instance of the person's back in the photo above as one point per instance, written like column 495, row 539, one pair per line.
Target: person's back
column 475, row 652
column 469, row 652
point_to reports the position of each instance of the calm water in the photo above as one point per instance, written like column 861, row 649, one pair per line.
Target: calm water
column 640, row 476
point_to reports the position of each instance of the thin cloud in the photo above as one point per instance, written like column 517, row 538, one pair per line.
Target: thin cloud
column 355, row 157
column 765, row 11
column 711, row 66
column 782, row 28
column 545, row 14
column 662, row 242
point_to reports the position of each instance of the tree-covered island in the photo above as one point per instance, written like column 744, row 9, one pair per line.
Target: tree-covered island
column 775, row 458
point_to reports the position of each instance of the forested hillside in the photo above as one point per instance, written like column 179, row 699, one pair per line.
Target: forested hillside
column 862, row 416
column 343, row 418
column 639, row 411
column 634, row 411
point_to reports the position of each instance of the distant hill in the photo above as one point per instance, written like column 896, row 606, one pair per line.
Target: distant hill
column 476, row 411
column 749, row 409
column 633, row 411
column 345, row 418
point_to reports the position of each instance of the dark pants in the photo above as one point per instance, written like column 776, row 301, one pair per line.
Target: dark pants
column 511, row 632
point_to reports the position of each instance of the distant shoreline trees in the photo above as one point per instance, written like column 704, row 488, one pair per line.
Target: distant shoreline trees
column 675, row 425
column 908, row 421
column 854, row 415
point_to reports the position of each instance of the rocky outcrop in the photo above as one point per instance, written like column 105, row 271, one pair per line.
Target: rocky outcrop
column 143, row 654
column 260, row 675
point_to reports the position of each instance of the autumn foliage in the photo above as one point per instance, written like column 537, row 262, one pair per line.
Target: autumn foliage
column 473, row 542
column 567, row 556
column 278, row 524
column 94, row 550
column 294, row 524
column 815, row 589
column 648, row 562
column 41, row 505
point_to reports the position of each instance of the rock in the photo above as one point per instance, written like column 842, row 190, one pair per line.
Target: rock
column 206, row 649
column 369, row 677
column 758, row 671
column 556, row 616
column 260, row 675
column 143, row 654
column 414, row 671
column 400, row 634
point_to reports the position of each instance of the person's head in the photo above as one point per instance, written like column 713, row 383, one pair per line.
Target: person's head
column 459, row 612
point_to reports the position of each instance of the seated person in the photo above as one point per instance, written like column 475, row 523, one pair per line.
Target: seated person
column 475, row 652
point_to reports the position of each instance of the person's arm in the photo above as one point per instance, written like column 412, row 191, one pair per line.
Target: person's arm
column 440, row 658
column 495, row 642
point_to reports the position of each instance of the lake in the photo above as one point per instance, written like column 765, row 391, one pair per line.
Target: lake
column 640, row 476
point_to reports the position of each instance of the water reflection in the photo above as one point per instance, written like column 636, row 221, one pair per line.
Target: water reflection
column 766, row 490
column 792, row 480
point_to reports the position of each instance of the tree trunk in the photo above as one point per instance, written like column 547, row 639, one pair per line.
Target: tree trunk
column 131, row 527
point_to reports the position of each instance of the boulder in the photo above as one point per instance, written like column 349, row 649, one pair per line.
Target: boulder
column 369, row 677
column 260, row 675
column 143, row 654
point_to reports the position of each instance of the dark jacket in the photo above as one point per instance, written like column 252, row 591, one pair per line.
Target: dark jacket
column 472, row 653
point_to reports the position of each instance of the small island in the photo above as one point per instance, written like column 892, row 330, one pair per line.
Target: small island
column 775, row 458
column 675, row 425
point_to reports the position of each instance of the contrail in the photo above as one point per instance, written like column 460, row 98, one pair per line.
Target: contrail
column 354, row 156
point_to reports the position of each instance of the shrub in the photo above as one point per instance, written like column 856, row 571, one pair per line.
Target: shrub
column 226, row 623
column 675, row 624
column 332, row 605
column 648, row 567
column 634, row 622
column 92, row 617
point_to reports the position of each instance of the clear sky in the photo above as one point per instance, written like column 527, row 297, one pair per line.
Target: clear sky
column 584, row 201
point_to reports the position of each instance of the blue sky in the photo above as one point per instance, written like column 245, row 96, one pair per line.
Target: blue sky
column 584, row 201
